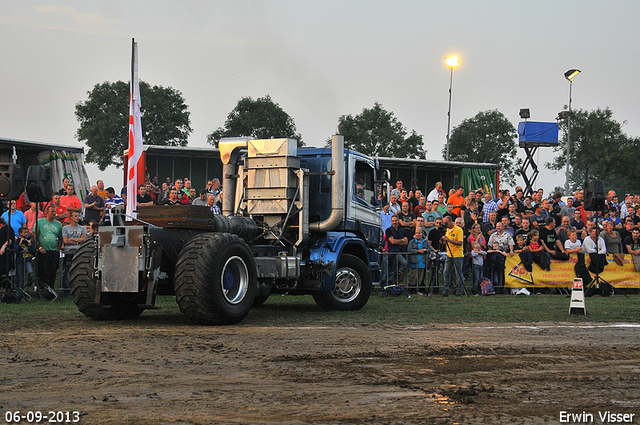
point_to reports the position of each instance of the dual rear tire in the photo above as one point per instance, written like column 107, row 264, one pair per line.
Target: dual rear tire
column 215, row 279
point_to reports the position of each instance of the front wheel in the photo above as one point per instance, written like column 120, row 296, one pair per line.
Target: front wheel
column 352, row 286
column 215, row 279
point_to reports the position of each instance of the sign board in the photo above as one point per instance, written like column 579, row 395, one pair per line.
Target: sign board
column 577, row 298
column 534, row 133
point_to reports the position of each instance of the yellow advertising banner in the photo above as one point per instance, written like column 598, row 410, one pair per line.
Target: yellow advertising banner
column 562, row 273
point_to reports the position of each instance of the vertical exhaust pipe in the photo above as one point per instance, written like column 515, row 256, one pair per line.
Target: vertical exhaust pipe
column 229, row 151
column 229, row 188
column 337, row 188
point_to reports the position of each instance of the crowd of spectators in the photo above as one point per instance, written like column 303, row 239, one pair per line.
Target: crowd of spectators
column 474, row 234
column 51, row 232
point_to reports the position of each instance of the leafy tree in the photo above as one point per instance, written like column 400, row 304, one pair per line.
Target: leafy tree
column 104, row 120
column 487, row 137
column 376, row 132
column 599, row 150
column 261, row 118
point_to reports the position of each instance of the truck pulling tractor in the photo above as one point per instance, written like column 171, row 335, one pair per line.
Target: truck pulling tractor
column 294, row 221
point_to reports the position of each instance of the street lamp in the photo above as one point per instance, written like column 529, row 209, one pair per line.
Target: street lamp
column 569, row 75
column 452, row 63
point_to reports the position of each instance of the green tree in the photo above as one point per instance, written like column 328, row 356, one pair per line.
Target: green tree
column 487, row 137
column 599, row 150
column 376, row 132
column 104, row 120
column 261, row 118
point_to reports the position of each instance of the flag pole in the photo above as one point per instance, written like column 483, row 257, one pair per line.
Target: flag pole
column 135, row 134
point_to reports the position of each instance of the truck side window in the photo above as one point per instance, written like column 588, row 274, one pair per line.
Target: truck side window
column 364, row 189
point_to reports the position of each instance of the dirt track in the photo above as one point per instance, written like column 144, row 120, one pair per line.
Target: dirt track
column 184, row 374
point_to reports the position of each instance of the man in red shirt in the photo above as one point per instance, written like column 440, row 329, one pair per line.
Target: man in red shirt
column 60, row 212
column 149, row 189
column 457, row 200
column 182, row 197
column 21, row 203
column 421, row 207
column 71, row 202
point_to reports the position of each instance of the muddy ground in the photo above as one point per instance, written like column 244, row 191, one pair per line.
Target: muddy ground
column 443, row 374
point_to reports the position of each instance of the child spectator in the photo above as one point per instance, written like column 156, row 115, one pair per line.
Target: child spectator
column 573, row 244
column 539, row 256
column 522, row 250
column 24, row 248
column 497, row 258
column 521, row 245
column 477, row 258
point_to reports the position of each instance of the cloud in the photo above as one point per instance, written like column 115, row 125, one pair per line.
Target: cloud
column 82, row 19
column 61, row 18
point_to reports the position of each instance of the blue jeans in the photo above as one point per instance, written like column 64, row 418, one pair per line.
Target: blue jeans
column 384, row 269
column 396, row 259
column 449, row 274
column 21, row 269
column 498, row 280
column 477, row 278
column 64, row 272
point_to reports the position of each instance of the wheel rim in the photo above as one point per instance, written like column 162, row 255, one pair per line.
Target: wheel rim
column 235, row 280
column 348, row 285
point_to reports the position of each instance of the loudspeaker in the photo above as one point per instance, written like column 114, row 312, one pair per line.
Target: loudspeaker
column 11, row 181
column 594, row 195
column 39, row 183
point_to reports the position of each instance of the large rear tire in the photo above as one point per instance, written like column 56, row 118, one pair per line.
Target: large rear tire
column 216, row 279
column 83, row 289
column 352, row 287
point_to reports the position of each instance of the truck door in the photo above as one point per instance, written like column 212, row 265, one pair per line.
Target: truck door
column 362, row 199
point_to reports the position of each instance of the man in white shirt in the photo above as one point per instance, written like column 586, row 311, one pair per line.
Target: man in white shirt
column 594, row 246
column 433, row 195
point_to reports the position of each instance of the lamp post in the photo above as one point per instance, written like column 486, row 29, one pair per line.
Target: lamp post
column 569, row 75
column 452, row 63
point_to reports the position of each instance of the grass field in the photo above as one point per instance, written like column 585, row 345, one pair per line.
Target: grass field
column 302, row 311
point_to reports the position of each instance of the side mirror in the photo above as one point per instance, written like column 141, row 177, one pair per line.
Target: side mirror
column 384, row 176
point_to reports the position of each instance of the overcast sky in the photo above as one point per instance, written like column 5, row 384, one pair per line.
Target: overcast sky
column 320, row 60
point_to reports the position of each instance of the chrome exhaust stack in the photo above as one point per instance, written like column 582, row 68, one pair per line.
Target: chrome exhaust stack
column 337, row 188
